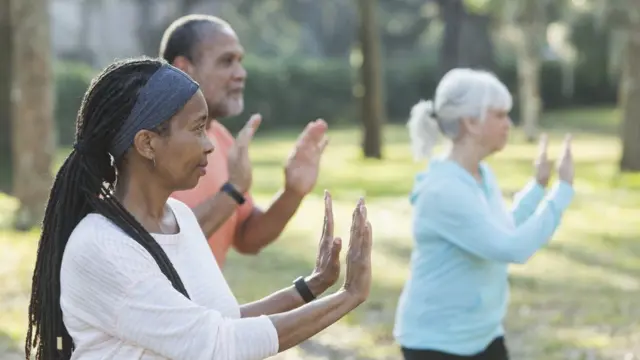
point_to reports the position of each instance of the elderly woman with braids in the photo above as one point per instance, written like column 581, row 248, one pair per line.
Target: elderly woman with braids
column 125, row 272
column 454, row 302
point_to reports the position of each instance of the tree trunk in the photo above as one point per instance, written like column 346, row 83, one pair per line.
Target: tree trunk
column 5, row 97
column 32, row 99
column 531, row 31
column 373, row 107
column 630, row 100
column 476, row 48
column 452, row 14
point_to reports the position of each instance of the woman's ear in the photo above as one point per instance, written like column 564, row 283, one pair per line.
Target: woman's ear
column 469, row 125
column 143, row 143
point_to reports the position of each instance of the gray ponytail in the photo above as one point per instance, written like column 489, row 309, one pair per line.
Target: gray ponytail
column 423, row 129
column 461, row 93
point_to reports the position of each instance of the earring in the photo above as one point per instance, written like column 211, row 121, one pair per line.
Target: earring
column 154, row 161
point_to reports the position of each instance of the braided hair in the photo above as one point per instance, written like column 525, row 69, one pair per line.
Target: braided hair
column 84, row 184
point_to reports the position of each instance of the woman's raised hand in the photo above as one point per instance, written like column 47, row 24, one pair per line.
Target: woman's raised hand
column 327, row 270
column 357, row 281
column 297, row 325
column 565, row 165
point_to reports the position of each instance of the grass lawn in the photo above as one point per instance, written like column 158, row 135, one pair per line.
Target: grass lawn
column 574, row 300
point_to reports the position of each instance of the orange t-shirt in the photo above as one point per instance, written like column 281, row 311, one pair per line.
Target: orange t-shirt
column 210, row 184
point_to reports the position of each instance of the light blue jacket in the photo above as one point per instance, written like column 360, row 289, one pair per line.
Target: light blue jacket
column 456, row 297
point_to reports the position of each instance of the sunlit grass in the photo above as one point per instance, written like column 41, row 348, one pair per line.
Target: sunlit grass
column 576, row 297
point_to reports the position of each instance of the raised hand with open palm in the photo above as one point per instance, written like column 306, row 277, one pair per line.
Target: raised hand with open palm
column 303, row 165
column 327, row 270
column 357, row 280
column 239, row 164
column 543, row 166
column 565, row 164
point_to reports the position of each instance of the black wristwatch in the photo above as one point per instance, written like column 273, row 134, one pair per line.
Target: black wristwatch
column 231, row 191
column 303, row 289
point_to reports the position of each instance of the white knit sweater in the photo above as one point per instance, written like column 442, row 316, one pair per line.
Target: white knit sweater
column 117, row 304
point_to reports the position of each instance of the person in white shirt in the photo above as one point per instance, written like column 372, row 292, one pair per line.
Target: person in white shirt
column 125, row 272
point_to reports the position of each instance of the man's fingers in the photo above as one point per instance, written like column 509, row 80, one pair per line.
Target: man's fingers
column 249, row 129
column 321, row 125
column 323, row 144
column 304, row 135
column 314, row 132
column 318, row 131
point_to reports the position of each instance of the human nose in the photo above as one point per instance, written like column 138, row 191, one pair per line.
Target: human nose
column 208, row 145
column 240, row 73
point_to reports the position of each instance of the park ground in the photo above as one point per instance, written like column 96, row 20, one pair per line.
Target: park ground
column 576, row 299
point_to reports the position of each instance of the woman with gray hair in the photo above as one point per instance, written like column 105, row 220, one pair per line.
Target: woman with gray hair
column 455, row 300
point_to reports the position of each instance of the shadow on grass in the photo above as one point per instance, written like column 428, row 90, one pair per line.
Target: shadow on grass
column 343, row 173
column 551, row 286
column 551, row 318
column 556, row 315
column 316, row 349
column 619, row 254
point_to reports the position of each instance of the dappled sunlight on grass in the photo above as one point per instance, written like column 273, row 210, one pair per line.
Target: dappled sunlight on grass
column 579, row 292
column 7, row 207
column 593, row 260
column 574, row 299
column 17, row 259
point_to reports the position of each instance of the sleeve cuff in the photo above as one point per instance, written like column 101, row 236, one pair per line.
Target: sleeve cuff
column 256, row 338
column 535, row 190
column 562, row 195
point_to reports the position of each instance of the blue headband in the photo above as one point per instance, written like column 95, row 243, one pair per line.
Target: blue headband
column 166, row 92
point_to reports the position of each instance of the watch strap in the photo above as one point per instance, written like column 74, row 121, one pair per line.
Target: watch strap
column 231, row 191
column 303, row 289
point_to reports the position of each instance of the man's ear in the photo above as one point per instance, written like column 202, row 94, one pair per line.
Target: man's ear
column 183, row 64
column 143, row 143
